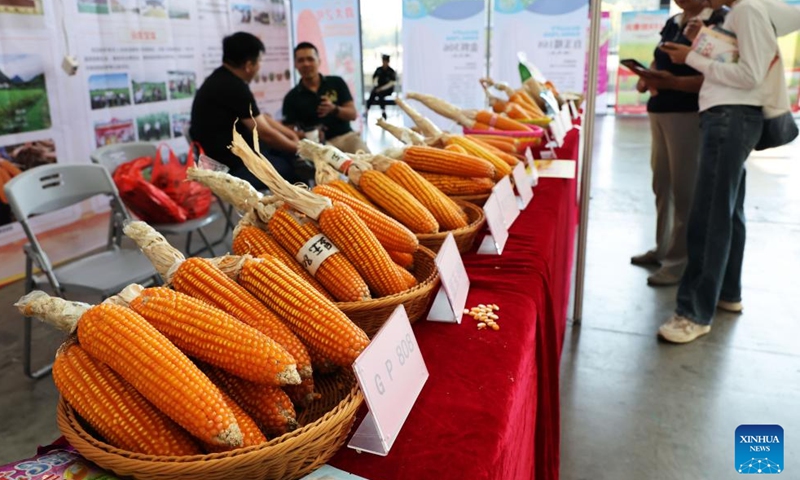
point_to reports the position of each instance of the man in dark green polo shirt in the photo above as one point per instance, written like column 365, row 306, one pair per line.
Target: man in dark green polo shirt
column 321, row 102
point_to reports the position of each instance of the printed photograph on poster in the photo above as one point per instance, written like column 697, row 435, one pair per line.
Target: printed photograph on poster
column 93, row 6
column 180, row 123
column 153, row 127
column 28, row 7
column 182, row 84
column 179, row 9
column 153, row 8
column 109, row 90
column 23, row 95
column 242, row 14
column 15, row 159
column 148, row 90
column 114, row 131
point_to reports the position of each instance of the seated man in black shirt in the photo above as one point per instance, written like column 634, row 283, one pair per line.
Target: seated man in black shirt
column 225, row 97
column 321, row 101
column 385, row 77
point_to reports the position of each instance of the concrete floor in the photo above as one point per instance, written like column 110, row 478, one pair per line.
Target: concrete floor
column 632, row 408
column 636, row 408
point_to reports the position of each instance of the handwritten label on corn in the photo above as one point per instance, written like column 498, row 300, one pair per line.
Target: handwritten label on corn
column 315, row 251
column 339, row 160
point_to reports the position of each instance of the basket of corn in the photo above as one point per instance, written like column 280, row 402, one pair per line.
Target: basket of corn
column 464, row 236
column 325, row 426
column 378, row 264
column 133, row 401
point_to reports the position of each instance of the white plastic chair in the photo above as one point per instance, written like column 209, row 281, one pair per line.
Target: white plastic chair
column 48, row 188
column 112, row 156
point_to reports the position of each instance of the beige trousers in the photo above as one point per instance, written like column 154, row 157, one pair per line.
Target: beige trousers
column 349, row 143
column 675, row 156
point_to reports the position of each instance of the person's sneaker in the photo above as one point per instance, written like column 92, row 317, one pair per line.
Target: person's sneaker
column 647, row 258
column 662, row 278
column 680, row 329
column 732, row 307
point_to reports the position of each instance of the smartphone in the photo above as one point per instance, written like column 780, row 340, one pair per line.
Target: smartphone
column 633, row 65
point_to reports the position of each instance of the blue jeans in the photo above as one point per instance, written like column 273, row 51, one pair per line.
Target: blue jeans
column 283, row 162
column 716, row 230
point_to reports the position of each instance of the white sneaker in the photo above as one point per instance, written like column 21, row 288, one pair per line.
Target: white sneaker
column 680, row 329
column 732, row 307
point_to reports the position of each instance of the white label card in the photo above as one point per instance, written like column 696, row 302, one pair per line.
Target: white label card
column 558, row 131
column 335, row 157
column 523, row 184
column 448, row 305
column 391, row 373
column 574, row 110
column 494, row 243
column 508, row 201
column 315, row 251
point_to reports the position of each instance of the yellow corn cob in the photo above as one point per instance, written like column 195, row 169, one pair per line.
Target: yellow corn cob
column 341, row 224
column 434, row 160
column 405, row 260
column 251, row 434
column 336, row 273
column 302, row 395
column 510, row 159
column 501, row 167
column 201, row 279
column 455, row 148
column 443, row 209
column 408, row 278
column 350, row 189
column 315, row 319
column 389, row 232
column 126, row 342
column 269, row 406
column 257, row 242
column 398, row 202
column 114, row 408
column 213, row 336
column 452, row 185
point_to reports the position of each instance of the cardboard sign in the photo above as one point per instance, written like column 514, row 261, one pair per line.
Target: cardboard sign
column 507, row 199
column 448, row 306
column 391, row 373
column 523, row 184
column 495, row 241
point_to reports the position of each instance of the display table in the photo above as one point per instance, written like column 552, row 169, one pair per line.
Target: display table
column 490, row 409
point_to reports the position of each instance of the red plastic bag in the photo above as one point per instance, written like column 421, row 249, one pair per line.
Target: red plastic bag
column 144, row 199
column 170, row 176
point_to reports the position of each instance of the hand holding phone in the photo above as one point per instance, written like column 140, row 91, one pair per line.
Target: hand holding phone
column 634, row 65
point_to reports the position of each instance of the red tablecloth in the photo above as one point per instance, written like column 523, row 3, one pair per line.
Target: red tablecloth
column 490, row 408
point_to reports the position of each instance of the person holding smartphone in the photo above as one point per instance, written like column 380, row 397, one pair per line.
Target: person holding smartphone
column 321, row 102
column 675, row 150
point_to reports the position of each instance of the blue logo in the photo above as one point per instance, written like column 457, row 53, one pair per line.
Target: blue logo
column 759, row 449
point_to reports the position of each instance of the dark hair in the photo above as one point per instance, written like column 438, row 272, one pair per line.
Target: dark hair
column 241, row 47
column 304, row 45
column 385, row 57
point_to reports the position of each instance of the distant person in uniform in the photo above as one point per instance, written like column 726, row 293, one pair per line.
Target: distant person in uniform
column 384, row 79
column 225, row 97
column 321, row 101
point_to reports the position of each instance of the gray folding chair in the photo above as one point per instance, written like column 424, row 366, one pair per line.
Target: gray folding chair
column 48, row 188
column 112, row 156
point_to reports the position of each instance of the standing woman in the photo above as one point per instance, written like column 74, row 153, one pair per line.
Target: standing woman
column 675, row 152
column 732, row 120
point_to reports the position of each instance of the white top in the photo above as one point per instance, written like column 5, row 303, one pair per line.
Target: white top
column 740, row 83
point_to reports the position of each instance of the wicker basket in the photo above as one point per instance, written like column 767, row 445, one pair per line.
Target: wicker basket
column 326, row 426
column 478, row 200
column 463, row 236
column 370, row 315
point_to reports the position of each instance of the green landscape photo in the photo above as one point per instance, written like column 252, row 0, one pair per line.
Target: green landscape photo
column 93, row 6
column 23, row 95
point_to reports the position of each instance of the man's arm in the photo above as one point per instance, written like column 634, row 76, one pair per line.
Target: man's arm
column 271, row 136
column 283, row 129
column 387, row 86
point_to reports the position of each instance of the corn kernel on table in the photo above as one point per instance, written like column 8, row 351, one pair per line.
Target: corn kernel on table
column 490, row 409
